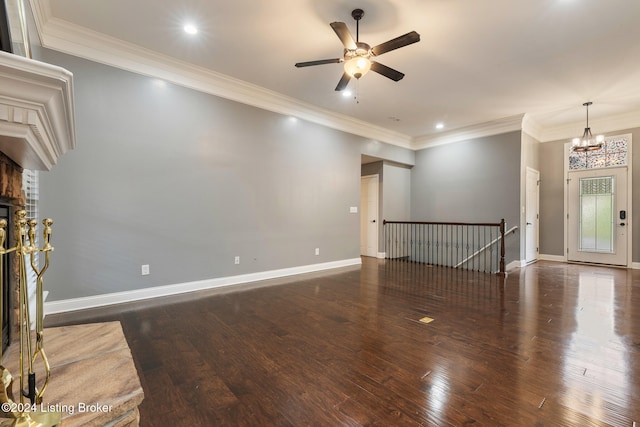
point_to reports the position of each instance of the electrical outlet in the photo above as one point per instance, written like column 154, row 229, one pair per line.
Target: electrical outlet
column 145, row 269
column 317, row 251
column 353, row 209
column 236, row 260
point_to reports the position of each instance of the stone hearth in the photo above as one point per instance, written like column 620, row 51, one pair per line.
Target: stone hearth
column 93, row 379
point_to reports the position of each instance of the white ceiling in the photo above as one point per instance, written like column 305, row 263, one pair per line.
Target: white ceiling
column 477, row 61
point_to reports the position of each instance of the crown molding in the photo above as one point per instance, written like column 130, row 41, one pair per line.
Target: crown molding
column 615, row 123
column 78, row 41
column 494, row 127
column 531, row 127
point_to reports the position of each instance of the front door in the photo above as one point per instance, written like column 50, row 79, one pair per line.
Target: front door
column 597, row 216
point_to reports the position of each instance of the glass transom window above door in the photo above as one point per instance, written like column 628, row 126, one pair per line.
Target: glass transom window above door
column 614, row 153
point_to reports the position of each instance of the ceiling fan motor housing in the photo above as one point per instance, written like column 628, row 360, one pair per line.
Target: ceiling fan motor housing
column 362, row 49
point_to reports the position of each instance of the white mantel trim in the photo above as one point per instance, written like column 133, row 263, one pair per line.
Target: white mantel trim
column 37, row 123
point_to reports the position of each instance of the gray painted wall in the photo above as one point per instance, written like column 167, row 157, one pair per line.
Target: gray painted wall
column 185, row 181
column 374, row 168
column 470, row 181
column 397, row 193
column 552, row 198
column 530, row 152
column 552, row 195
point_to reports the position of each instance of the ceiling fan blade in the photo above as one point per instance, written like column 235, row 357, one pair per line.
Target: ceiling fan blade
column 396, row 43
column 319, row 62
column 394, row 75
column 344, row 81
column 344, row 34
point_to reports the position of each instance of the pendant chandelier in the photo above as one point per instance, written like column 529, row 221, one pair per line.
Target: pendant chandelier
column 587, row 142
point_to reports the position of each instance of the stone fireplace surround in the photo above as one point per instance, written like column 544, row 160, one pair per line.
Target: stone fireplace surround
column 90, row 364
column 11, row 196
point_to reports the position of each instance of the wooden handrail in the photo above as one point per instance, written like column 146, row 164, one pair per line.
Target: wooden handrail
column 500, row 225
column 488, row 245
column 480, row 224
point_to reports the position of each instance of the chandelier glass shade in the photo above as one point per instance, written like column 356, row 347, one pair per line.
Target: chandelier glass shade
column 357, row 66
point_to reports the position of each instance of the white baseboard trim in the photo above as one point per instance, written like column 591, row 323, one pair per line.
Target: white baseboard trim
column 382, row 255
column 522, row 263
column 94, row 301
column 557, row 258
column 560, row 258
column 515, row 264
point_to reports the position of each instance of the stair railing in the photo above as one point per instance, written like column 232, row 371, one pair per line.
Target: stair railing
column 470, row 246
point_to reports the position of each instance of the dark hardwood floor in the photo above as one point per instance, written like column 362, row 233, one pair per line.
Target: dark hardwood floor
column 550, row 345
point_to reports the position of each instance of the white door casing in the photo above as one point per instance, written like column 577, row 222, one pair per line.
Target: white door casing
column 369, row 222
column 532, row 198
column 617, row 154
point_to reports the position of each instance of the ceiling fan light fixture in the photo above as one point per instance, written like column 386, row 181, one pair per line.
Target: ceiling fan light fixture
column 357, row 55
column 357, row 66
column 587, row 142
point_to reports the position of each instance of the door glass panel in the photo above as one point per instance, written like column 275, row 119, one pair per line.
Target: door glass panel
column 597, row 214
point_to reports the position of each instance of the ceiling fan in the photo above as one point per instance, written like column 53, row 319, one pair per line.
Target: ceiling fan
column 358, row 55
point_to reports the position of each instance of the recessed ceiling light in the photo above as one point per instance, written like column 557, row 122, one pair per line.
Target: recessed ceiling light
column 440, row 126
column 190, row 29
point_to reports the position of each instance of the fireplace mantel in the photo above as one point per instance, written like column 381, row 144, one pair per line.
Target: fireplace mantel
column 37, row 122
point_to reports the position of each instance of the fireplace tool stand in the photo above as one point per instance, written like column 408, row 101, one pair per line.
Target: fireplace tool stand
column 22, row 413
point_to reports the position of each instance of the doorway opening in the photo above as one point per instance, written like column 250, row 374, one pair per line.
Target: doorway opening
column 369, row 212
column 598, row 203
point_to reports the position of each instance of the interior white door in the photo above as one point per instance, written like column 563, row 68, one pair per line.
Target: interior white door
column 597, row 219
column 369, row 215
column 532, row 197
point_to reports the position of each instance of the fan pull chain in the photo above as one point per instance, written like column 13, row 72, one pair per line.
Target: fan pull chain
column 356, row 97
